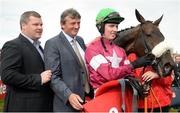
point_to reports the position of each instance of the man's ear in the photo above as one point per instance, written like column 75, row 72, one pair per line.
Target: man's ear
column 62, row 25
column 23, row 25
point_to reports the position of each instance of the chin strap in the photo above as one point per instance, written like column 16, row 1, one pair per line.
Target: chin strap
column 102, row 42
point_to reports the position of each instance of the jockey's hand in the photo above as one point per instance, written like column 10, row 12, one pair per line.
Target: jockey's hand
column 142, row 61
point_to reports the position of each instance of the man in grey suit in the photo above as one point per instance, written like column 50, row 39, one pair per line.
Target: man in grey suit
column 68, row 72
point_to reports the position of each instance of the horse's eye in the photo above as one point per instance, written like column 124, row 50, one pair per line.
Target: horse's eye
column 148, row 35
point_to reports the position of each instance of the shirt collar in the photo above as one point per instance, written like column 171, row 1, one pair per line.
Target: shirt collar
column 32, row 41
column 69, row 38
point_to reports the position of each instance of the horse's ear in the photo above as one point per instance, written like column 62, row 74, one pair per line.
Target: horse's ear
column 158, row 21
column 139, row 17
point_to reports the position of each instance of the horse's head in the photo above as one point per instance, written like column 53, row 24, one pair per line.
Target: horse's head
column 145, row 39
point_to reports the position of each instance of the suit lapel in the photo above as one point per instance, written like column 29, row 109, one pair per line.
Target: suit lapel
column 28, row 44
column 81, row 43
column 66, row 44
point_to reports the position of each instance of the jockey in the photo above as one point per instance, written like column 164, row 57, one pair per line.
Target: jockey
column 105, row 60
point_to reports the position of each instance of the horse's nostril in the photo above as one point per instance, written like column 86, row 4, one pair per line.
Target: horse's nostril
column 167, row 66
column 167, row 69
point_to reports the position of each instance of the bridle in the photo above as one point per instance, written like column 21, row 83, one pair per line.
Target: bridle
column 148, row 52
column 147, row 49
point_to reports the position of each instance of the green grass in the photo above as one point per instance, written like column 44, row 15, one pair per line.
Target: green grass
column 174, row 110
column 1, row 105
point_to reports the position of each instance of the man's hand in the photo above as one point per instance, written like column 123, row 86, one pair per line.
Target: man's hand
column 75, row 101
column 46, row 76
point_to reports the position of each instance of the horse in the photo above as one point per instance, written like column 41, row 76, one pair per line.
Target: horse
column 145, row 39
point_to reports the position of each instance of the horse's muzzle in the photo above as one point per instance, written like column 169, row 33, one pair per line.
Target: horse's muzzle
column 164, row 65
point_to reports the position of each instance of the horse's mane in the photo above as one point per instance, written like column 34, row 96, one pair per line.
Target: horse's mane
column 126, row 31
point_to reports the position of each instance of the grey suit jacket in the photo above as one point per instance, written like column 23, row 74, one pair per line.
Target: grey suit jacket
column 67, row 73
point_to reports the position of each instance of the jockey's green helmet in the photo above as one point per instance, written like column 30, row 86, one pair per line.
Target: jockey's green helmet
column 107, row 15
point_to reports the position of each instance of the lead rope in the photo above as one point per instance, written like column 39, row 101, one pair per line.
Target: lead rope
column 145, row 105
column 145, row 98
column 152, row 103
column 146, row 102
column 152, row 107
column 156, row 100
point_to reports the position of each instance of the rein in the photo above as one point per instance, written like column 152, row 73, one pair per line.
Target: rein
column 147, row 49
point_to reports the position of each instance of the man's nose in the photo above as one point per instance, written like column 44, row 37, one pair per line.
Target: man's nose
column 40, row 26
column 115, row 29
column 77, row 25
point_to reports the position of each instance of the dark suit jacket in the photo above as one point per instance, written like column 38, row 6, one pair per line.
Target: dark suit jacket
column 21, row 66
column 67, row 73
column 176, row 82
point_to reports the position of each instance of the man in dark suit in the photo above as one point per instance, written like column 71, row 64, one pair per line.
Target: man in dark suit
column 22, row 69
column 176, row 82
column 69, row 74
